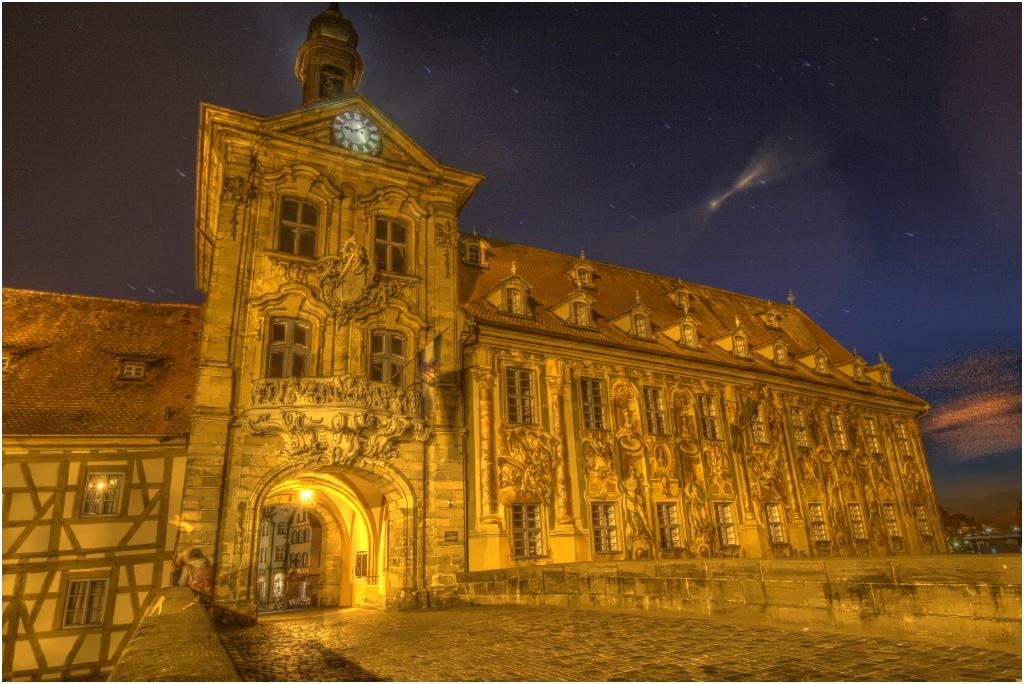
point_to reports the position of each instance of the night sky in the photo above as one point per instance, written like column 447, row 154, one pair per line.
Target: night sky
column 866, row 156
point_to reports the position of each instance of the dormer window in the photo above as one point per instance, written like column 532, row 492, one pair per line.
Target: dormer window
column 133, row 370
column 780, row 354
column 689, row 335
column 771, row 318
column 580, row 314
column 583, row 277
column 473, row 254
column 858, row 372
column 474, row 250
column 514, row 301
column 884, row 378
column 740, row 347
column 641, row 325
column 6, row 362
column 821, row 363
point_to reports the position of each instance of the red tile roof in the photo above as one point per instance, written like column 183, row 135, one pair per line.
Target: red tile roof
column 67, row 354
column 615, row 290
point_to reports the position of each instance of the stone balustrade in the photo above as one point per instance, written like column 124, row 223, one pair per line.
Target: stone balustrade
column 964, row 600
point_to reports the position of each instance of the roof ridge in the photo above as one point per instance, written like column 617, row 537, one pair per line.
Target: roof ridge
column 99, row 297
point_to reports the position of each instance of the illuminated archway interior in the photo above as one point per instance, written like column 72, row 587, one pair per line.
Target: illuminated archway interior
column 321, row 541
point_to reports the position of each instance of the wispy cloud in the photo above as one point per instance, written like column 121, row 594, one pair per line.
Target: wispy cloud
column 977, row 404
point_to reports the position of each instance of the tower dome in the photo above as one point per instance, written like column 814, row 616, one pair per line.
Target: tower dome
column 328, row 65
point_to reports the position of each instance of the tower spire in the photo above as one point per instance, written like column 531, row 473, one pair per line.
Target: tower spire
column 328, row 65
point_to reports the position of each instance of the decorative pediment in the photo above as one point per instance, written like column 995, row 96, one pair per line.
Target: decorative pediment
column 772, row 317
column 343, row 282
column 582, row 272
column 636, row 321
column 855, row 368
column 736, row 341
column 511, row 294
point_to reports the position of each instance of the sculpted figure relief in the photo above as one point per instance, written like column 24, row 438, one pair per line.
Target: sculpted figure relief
column 599, row 463
column 638, row 529
column 527, row 465
column 719, row 471
column 701, row 526
column 627, row 412
column 345, row 389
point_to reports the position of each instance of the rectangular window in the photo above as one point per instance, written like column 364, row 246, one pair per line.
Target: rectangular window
column 519, row 395
column 758, row 429
column 263, row 554
column 361, row 567
column 835, row 424
column 388, row 357
column 133, row 371
column 668, row 527
column 592, row 393
column 709, row 417
column 103, row 493
column 85, row 601
column 278, row 553
column 923, row 526
column 282, row 528
column 726, row 526
column 513, row 300
column 288, row 353
column 816, row 513
column 606, row 536
column 654, row 404
column 527, row 541
column 892, row 525
column 871, row 436
column 773, row 522
column 641, row 326
column 389, row 246
column 902, row 441
column 796, row 419
column 857, row 522
column 297, row 230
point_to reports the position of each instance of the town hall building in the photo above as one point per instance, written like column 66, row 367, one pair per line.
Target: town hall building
column 371, row 401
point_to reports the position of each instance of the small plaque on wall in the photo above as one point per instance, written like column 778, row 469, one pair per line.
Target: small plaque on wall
column 451, row 536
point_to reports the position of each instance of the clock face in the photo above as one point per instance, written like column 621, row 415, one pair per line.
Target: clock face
column 356, row 132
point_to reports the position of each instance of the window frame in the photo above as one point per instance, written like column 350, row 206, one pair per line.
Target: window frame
column 872, row 437
column 289, row 348
column 759, row 426
column 669, row 528
column 387, row 358
column 655, row 414
column 514, row 300
column 298, row 227
column 924, row 525
column 837, row 431
column 858, row 527
column 474, row 254
column 818, row 522
column 390, row 245
column 594, row 413
column 519, row 406
column 685, row 330
column 890, row 517
column 798, row 424
column 604, row 527
column 902, row 439
column 725, row 525
column 580, row 314
column 775, row 523
column 526, row 531
column 140, row 366
column 88, row 579
column 84, row 499
column 710, row 416
column 642, row 327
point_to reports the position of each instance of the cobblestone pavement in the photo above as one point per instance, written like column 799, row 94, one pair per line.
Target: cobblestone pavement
column 517, row 643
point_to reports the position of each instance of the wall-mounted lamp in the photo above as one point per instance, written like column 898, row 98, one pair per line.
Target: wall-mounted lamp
column 306, row 497
column 451, row 504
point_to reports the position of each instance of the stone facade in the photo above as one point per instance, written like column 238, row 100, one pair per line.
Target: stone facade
column 443, row 403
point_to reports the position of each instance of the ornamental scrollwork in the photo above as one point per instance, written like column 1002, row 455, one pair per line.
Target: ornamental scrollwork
column 339, row 437
column 238, row 191
column 445, row 237
column 344, row 390
column 344, row 281
column 527, row 466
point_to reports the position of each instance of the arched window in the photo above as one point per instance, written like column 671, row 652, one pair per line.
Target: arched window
column 583, row 276
column 332, row 82
column 513, row 300
column 388, row 357
column 288, row 353
column 473, row 254
column 580, row 314
column 390, row 246
column 297, row 229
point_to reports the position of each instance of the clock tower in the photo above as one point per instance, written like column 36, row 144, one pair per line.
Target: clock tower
column 328, row 65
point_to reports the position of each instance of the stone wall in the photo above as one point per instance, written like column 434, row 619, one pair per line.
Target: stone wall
column 966, row 600
column 175, row 642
